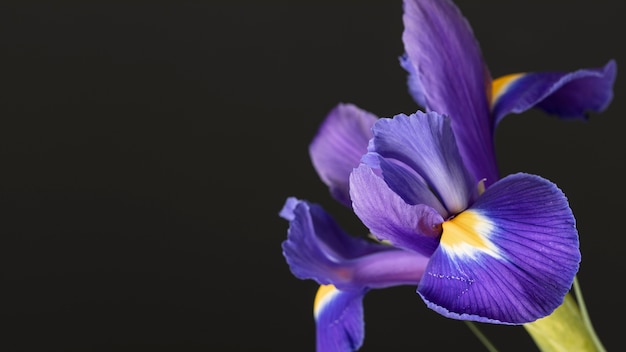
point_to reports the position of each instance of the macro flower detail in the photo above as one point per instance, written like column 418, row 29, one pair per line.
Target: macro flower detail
column 477, row 247
column 507, row 256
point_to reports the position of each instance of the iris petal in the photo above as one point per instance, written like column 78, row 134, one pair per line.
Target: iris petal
column 338, row 146
column 424, row 143
column 339, row 319
column 409, row 185
column 317, row 248
column 514, row 259
column 448, row 71
column 413, row 81
column 414, row 227
column 569, row 95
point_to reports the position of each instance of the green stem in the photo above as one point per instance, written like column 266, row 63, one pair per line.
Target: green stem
column 585, row 316
column 481, row 336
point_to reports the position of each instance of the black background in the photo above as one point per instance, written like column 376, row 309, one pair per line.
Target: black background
column 146, row 150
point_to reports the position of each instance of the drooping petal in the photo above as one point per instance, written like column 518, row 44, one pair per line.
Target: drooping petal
column 568, row 95
column 509, row 259
column 388, row 217
column 424, row 143
column 338, row 146
column 317, row 248
column 451, row 78
column 339, row 319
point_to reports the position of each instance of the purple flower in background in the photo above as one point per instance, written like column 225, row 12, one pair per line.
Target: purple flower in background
column 427, row 186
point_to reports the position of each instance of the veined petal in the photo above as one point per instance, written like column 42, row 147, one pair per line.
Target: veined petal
column 509, row 259
column 568, row 95
column 338, row 146
column 424, row 142
column 388, row 217
column 317, row 248
column 405, row 182
column 448, row 72
column 339, row 319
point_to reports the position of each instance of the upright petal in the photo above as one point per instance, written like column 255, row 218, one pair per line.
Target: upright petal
column 338, row 146
column 339, row 319
column 449, row 72
column 413, row 81
column 388, row 217
column 509, row 259
column 405, row 182
column 568, row 95
column 317, row 248
column 424, row 143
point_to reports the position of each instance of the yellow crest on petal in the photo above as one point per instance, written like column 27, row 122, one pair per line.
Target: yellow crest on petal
column 467, row 234
column 499, row 85
column 325, row 293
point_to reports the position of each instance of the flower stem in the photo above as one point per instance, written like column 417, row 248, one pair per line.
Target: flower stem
column 481, row 336
column 585, row 316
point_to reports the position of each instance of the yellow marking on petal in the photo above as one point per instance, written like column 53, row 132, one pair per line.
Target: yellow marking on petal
column 500, row 84
column 468, row 233
column 325, row 293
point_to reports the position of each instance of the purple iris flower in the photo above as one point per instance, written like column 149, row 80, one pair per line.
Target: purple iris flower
column 426, row 185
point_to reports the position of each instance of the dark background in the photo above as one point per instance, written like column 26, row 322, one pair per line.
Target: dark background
column 146, row 149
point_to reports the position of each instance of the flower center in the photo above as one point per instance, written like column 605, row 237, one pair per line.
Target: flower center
column 468, row 233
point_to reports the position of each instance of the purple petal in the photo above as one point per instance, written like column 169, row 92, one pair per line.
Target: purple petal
column 338, row 146
column 317, row 248
column 509, row 259
column 424, row 143
column 406, row 183
column 388, row 217
column 413, row 81
column 569, row 95
column 339, row 319
column 451, row 78
column 393, row 267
